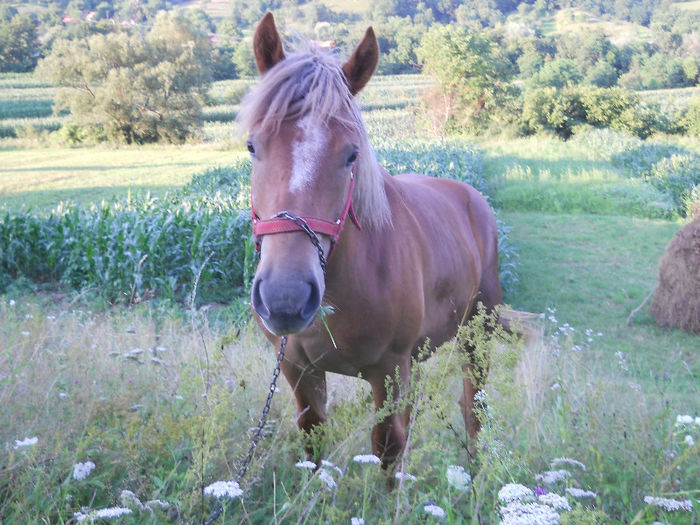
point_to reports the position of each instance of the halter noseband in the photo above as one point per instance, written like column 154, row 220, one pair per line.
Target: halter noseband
column 285, row 222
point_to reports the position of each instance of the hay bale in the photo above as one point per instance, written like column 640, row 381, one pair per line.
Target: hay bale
column 676, row 302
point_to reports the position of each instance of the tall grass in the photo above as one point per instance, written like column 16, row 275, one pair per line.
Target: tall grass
column 162, row 404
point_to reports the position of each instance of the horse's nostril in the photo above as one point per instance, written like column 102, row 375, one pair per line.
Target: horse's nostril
column 258, row 303
column 312, row 303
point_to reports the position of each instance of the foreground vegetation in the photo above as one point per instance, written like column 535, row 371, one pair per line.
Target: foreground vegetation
column 161, row 402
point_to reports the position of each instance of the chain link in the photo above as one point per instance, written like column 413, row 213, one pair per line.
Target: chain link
column 280, row 357
column 257, row 434
column 307, row 229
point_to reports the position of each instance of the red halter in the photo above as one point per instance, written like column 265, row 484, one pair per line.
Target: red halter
column 282, row 223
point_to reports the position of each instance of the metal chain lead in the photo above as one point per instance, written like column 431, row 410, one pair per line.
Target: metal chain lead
column 312, row 234
column 280, row 357
column 257, row 434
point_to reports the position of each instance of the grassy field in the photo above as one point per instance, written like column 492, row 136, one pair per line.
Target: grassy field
column 161, row 399
column 44, row 177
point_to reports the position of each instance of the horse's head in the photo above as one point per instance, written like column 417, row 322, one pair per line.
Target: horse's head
column 303, row 168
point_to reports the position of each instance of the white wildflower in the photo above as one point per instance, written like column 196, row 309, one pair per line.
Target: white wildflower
column 405, row 476
column 11, row 302
column 129, row 499
column 224, row 489
column 622, row 361
column 366, row 458
column 82, row 470
column 327, row 479
column 697, row 420
column 25, row 333
column 555, row 500
column 552, row 476
column 517, row 513
column 434, row 510
column 26, row 442
column 153, row 503
column 689, row 440
column 555, row 387
column 568, row 461
column 457, row 477
column 515, row 492
column 62, row 395
column 357, row 521
column 112, row 512
column 306, row 464
column 328, row 464
column 684, row 420
column 580, row 493
column 670, row 505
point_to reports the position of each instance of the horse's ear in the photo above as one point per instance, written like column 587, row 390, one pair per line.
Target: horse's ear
column 362, row 63
column 267, row 44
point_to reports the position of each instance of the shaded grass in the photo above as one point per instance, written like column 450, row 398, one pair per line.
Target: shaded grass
column 595, row 270
column 596, row 172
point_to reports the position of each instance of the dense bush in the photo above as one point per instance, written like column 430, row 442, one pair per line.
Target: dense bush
column 691, row 119
column 561, row 110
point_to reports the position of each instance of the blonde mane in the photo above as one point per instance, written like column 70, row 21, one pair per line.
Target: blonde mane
column 311, row 83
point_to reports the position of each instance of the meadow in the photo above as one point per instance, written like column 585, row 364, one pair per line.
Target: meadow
column 113, row 398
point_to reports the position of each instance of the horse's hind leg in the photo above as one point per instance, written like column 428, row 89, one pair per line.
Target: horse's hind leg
column 473, row 380
column 309, row 388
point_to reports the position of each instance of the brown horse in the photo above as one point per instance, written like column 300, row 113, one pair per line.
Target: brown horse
column 410, row 266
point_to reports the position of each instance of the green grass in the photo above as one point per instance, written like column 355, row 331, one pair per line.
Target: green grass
column 41, row 178
column 596, row 172
column 595, row 270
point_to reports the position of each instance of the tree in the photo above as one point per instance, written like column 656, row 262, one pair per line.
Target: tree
column 473, row 77
column 558, row 73
column 19, row 45
column 135, row 89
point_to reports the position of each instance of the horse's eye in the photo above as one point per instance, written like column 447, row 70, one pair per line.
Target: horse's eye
column 251, row 148
column 352, row 158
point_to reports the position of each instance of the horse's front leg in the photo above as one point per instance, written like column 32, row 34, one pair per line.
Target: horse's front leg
column 309, row 388
column 389, row 434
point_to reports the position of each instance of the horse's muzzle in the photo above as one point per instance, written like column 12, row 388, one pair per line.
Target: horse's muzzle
column 285, row 306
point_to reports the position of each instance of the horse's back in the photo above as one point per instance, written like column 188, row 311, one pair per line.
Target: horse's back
column 447, row 204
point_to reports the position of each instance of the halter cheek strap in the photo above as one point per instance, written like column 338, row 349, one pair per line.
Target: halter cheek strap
column 285, row 222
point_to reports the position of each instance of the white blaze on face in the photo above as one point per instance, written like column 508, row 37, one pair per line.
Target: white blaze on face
column 306, row 154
